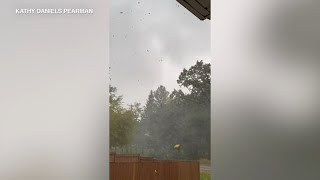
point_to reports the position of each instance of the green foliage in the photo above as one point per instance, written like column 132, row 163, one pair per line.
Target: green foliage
column 197, row 80
column 178, row 118
column 122, row 120
column 167, row 119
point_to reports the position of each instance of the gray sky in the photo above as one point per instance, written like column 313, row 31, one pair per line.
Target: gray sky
column 151, row 42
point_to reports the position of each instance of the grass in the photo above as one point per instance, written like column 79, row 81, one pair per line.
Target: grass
column 205, row 176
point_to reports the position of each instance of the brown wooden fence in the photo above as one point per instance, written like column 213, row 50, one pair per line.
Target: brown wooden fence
column 134, row 167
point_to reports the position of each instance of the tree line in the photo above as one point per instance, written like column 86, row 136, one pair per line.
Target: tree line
column 180, row 117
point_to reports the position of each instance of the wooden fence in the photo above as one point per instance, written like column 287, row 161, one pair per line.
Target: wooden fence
column 134, row 167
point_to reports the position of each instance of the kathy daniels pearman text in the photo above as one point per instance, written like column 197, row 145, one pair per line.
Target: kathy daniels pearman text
column 54, row 11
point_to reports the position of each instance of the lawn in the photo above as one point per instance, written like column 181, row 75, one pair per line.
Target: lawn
column 204, row 176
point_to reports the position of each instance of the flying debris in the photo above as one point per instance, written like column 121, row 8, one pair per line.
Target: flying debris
column 177, row 146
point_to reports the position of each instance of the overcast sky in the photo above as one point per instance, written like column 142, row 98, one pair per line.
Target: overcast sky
column 151, row 42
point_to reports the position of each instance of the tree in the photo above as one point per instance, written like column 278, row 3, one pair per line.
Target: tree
column 153, row 113
column 197, row 79
column 178, row 117
column 122, row 120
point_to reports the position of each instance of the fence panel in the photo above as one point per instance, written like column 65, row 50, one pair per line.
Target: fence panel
column 127, row 158
column 134, row 167
column 124, row 171
column 168, row 170
column 188, row 171
column 149, row 171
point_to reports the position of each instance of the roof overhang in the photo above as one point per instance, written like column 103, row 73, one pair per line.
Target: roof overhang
column 200, row 8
